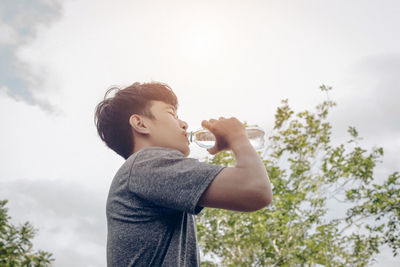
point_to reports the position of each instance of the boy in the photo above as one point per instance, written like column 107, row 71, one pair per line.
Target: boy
column 157, row 191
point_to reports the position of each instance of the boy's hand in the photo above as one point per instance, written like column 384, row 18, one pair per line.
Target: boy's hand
column 228, row 133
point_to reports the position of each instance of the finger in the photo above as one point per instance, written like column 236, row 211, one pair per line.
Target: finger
column 205, row 124
column 208, row 124
column 221, row 118
column 212, row 150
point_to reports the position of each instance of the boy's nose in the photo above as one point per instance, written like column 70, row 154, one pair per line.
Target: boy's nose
column 184, row 125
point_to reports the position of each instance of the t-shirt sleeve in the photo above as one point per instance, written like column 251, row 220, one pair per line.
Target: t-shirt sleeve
column 165, row 177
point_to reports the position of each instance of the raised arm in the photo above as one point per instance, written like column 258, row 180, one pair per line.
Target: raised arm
column 245, row 187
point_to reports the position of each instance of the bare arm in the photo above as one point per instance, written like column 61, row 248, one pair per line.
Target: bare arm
column 245, row 187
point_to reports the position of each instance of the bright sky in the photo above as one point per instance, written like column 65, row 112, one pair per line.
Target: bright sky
column 222, row 58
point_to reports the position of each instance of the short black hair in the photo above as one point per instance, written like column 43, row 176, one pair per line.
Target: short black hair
column 112, row 114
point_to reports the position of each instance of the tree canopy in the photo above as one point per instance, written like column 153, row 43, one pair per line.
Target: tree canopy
column 16, row 246
column 328, row 209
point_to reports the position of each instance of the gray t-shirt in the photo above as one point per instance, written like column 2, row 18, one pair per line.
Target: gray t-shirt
column 151, row 206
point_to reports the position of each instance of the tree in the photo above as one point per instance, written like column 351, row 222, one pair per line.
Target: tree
column 309, row 174
column 15, row 244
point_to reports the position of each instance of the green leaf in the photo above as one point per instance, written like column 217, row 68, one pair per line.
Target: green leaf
column 307, row 173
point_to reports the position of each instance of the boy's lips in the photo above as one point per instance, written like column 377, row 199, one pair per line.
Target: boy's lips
column 187, row 137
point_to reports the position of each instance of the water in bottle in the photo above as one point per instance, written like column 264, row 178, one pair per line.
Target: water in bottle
column 206, row 139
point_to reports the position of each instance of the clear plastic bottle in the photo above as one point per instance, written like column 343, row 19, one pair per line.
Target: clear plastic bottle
column 206, row 139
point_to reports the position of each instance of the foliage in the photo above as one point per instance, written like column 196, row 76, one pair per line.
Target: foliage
column 313, row 181
column 15, row 244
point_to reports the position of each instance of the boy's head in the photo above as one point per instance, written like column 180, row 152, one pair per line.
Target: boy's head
column 141, row 115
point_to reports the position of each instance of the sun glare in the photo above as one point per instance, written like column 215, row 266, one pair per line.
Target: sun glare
column 201, row 44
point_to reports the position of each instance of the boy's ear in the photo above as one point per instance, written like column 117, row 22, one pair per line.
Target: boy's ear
column 138, row 124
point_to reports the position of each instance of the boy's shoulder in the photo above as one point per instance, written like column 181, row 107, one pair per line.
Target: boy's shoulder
column 154, row 151
column 147, row 155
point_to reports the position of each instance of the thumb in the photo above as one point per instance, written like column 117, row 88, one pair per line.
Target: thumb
column 205, row 124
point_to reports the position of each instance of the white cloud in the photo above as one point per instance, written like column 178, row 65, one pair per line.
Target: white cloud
column 19, row 21
column 7, row 34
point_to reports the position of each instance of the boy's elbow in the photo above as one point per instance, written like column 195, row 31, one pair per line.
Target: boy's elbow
column 264, row 198
column 268, row 200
